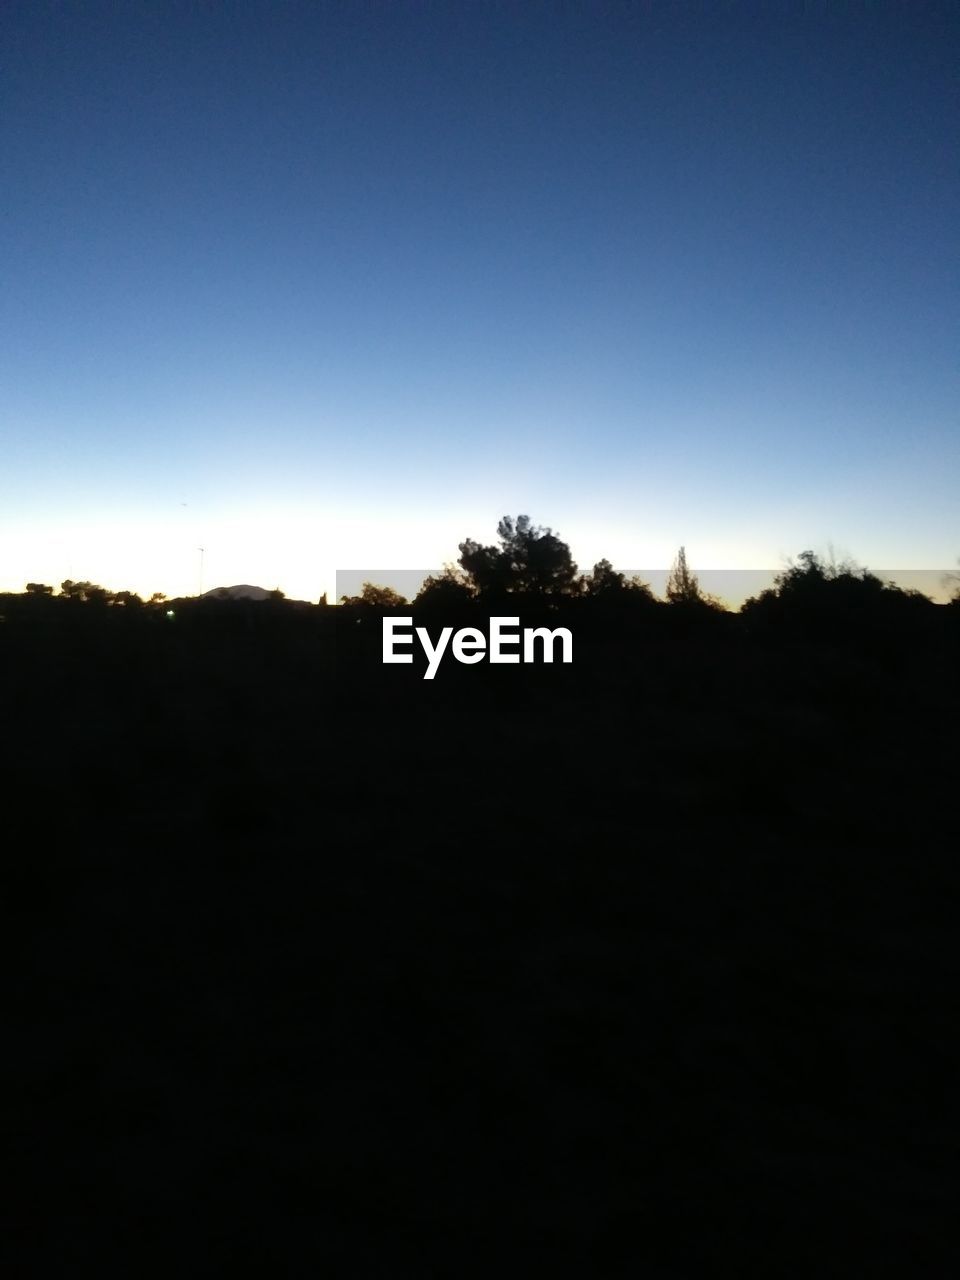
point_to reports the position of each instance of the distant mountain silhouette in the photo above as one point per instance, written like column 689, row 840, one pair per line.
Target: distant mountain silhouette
column 243, row 591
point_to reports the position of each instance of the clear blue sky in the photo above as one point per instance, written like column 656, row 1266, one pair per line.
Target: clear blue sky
column 321, row 286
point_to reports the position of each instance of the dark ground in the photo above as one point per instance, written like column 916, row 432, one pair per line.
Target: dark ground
column 644, row 966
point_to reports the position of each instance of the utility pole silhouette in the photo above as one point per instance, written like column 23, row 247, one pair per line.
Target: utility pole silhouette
column 200, row 590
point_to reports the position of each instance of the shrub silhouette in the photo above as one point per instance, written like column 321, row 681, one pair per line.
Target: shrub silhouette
column 374, row 599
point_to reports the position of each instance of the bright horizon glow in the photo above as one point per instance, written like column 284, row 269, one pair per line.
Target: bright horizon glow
column 317, row 287
column 297, row 552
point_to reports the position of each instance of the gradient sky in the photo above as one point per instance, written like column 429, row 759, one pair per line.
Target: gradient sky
column 321, row 286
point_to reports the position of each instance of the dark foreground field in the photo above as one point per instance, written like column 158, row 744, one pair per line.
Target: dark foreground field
column 645, row 966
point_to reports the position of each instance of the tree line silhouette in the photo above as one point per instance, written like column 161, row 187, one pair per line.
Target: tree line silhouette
column 531, row 565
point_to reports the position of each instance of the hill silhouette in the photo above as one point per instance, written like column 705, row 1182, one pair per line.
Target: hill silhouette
column 242, row 591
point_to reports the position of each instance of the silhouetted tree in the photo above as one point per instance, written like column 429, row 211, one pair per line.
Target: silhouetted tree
column 482, row 566
column 530, row 559
column 832, row 599
column 448, row 588
column 39, row 589
column 606, row 583
column 682, row 585
column 604, row 579
column 807, row 576
column 86, row 592
column 810, row 577
column 372, row 597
